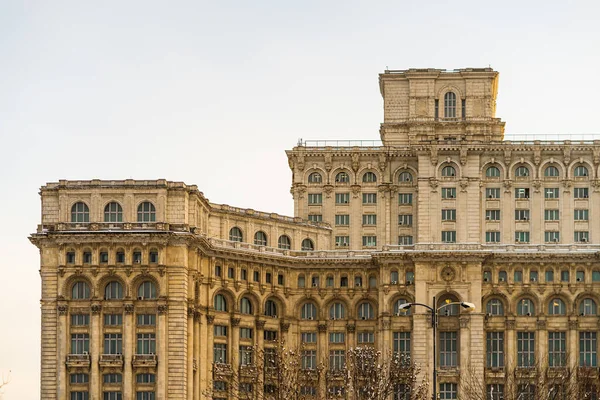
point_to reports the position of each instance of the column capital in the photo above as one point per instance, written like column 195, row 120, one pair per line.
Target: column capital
column 129, row 308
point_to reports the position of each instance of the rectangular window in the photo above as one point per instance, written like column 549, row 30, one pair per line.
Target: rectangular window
column 220, row 386
column 405, row 219
column 309, row 337
column 280, row 279
column 588, row 349
column 402, row 344
column 549, row 275
column 103, row 257
column 564, row 275
column 526, row 391
column 315, row 198
column 80, row 343
column 220, row 330
column 521, row 193
column 146, row 319
column 551, row 193
column 270, row 335
column 246, row 333
column 492, row 237
column 525, row 349
column 268, row 277
column 342, row 198
column 492, row 215
column 436, row 109
column 521, row 237
column 405, row 199
column 146, row 343
column 369, row 198
column 448, row 349
column 144, row 395
column 448, row 391
column 337, row 359
column 342, row 241
column 365, row 337
column 80, row 319
column 405, row 240
column 79, row 378
column 551, row 236
column 369, row 219
column 369, row 241
column 581, row 215
column 113, row 343
column 315, row 218
column 557, row 349
column 256, row 276
column 495, row 349
column 113, row 319
column 244, row 275
column 551, row 215
column 337, row 337
column 521, row 215
column 342, row 219
column 449, row 215
column 492, row 193
column 581, row 193
column 449, row 236
column 463, row 107
column 220, row 353
column 495, row 391
column 581, row 236
column 230, row 273
column 80, row 395
column 309, row 359
column 246, row 355
column 448, row 193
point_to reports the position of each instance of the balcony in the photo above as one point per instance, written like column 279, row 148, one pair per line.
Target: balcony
column 78, row 360
column 111, row 360
column 248, row 371
column 144, row 360
column 222, row 370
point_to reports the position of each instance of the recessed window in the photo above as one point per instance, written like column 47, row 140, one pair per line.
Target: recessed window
column 365, row 311
column 308, row 311
column 103, row 257
column 557, row 307
column 220, row 330
column 301, row 281
column 244, row 274
column 450, row 105
column 564, row 275
column 80, row 212
column 551, row 215
column 522, row 236
column 449, row 236
column 271, row 308
column 80, row 291
column 581, row 171
column 308, row 337
column 369, row 177
column 344, row 281
column 369, row 241
column 521, row 215
column 308, row 245
column 405, row 240
column 369, row 198
column 260, row 238
column 405, row 177
column 284, row 242
column 337, row 337
column 79, row 378
column 220, row 303
column 315, row 217
column 80, row 319
column 342, row 219
column 552, row 236
column 246, row 333
column 448, row 193
column 342, row 198
column 448, row 171
column 280, row 279
column 518, row 276
column 268, row 277
column 113, row 319
column 588, row 307
column 581, row 215
column 245, row 306
column 146, row 319
column 337, row 311
column 70, row 257
column 449, row 215
column 113, row 212
column 153, row 257
column 235, row 234
column 120, row 257
column 113, row 291
column 580, row 276
column 369, row 219
column 137, row 257
column 525, row 307
column 549, row 275
column 342, row 177
column 329, row 281
column 256, row 276
column 342, row 241
column 492, row 193
column 522, row 171
column 147, row 291
column 551, row 171
column 521, row 193
column 502, row 276
column 87, row 257
column 405, row 219
column 581, row 193
column 405, row 199
column 146, row 212
column 315, row 198
column 581, row 236
column 492, row 215
column 315, row 177
column 492, row 172
column 551, row 193
column 145, row 378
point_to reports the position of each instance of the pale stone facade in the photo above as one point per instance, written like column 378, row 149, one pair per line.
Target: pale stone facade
column 136, row 275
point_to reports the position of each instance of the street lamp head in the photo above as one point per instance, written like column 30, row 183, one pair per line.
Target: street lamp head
column 468, row 306
column 404, row 307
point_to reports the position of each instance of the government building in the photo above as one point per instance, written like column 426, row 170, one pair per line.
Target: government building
column 148, row 287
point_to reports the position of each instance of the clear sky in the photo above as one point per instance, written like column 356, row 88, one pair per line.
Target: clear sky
column 212, row 93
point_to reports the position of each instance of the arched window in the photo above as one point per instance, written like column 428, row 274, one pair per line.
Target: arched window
column 405, row 177
column 492, row 172
column 342, row 177
column 551, row 171
column 337, row 311
column 446, row 308
column 494, row 307
column 315, row 177
column 396, row 310
column 245, row 306
column 588, row 307
column 329, row 281
column 580, row 171
column 80, row 212
column 557, row 307
column 113, row 212
column 369, row 177
column 271, row 308
column 487, row 276
column 146, row 212
column 147, row 291
column 525, row 307
column 308, row 311
column 220, row 302
column 260, row 238
column 450, row 105
column 113, row 291
column 448, row 170
column 235, row 234
column 80, row 291
column 365, row 311
column 284, row 242
column 522, row 171
column 307, row 245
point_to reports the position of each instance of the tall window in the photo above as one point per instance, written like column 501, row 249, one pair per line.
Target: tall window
column 525, row 307
column 588, row 307
column 220, row 353
column 235, row 234
column 284, row 242
column 494, row 307
column 80, row 343
column 369, row 198
column 309, row 359
column 525, row 349
column 146, row 212
column 495, row 391
column 146, row 343
column 337, row 359
column 307, row 245
column 113, row 212
column 448, row 349
column 315, row 177
column 557, row 307
column 397, row 311
column 80, row 291
column 80, row 212
column 402, row 344
column 405, row 199
column 147, row 291
column 369, row 177
column 113, row 291
column 365, row 311
column 495, row 349
column 448, row 193
column 581, row 171
column 337, row 311
column 448, row 171
column 308, row 311
column 271, row 308
column 220, row 303
column 260, row 238
column 246, row 355
column 315, row 198
column 113, row 343
column 342, row 198
column 448, row 391
column 450, row 105
column 522, row 171
column 588, row 349
column 557, row 349
column 245, row 306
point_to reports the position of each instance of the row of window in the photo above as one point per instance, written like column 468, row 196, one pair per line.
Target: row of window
column 580, row 214
column 549, row 193
column 564, row 276
column 260, row 239
column 114, row 291
column 344, row 177
column 113, row 343
column 580, row 171
column 112, row 395
column 83, row 378
column 549, row 237
column 244, row 275
column 137, row 257
column 113, row 212
column 142, row 320
column 556, row 306
column 371, row 241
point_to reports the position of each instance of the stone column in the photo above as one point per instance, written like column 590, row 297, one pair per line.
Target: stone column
column 572, row 341
column 208, row 351
column 350, row 335
column 322, row 356
column 260, row 334
column 95, row 351
column 63, row 349
column 199, row 359
column 190, row 353
column 129, row 349
column 510, row 349
column 464, row 341
column 542, row 341
column 161, row 350
column 285, row 327
column 235, row 351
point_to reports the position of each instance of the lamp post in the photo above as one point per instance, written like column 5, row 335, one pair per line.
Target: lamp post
column 434, row 314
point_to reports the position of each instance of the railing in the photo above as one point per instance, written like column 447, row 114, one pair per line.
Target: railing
column 111, row 360
column 340, row 143
column 552, row 137
column 78, row 360
column 144, row 360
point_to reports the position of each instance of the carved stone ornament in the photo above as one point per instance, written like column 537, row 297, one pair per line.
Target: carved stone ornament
column 507, row 186
column 62, row 309
column 596, row 155
column 537, row 184
column 448, row 274
column 567, row 155
column 355, row 190
column 385, row 324
column 541, row 324
column 128, row 307
column 328, row 189
column 322, row 327
column 573, row 324
column 162, row 309
column 382, row 162
column 510, row 324
column 350, row 328
column 355, row 162
column 537, row 155
column 210, row 319
column 260, row 324
column 300, row 162
column 235, row 321
column 190, row 312
column 96, row 308
column 433, row 154
column 463, row 155
column 285, row 326
column 464, row 322
column 328, row 162
column 464, row 183
column 596, row 185
column 434, row 184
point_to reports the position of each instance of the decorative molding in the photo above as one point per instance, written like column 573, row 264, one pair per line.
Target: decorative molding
column 129, row 308
column 322, row 327
column 464, row 322
column 210, row 319
column 96, row 308
column 260, row 324
column 235, row 321
column 62, row 309
column 285, row 326
column 162, row 309
column 350, row 328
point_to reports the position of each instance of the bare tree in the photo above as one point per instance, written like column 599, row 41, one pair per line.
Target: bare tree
column 5, row 381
